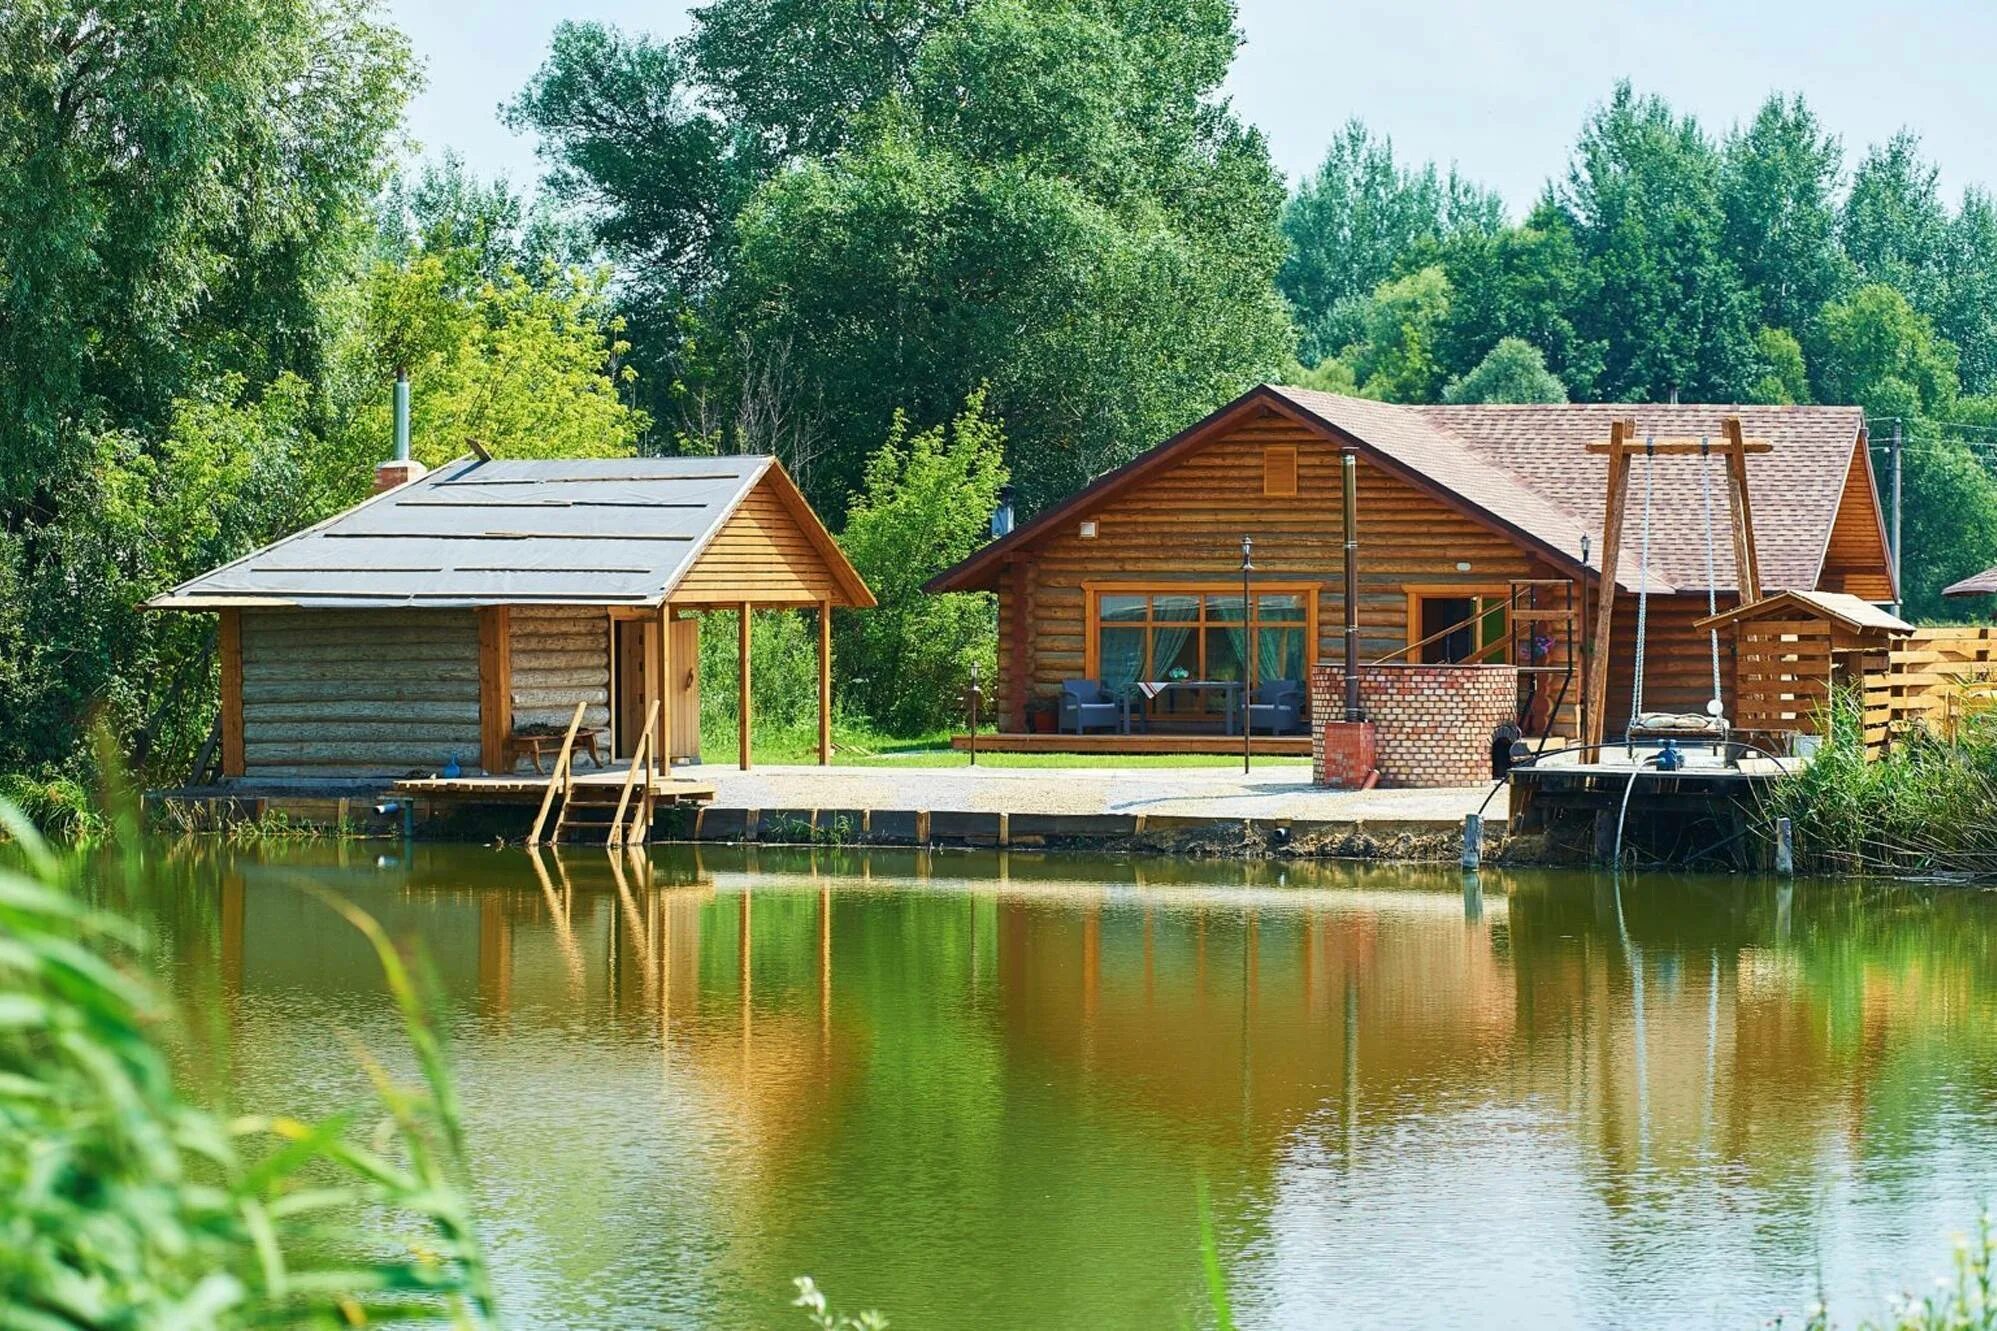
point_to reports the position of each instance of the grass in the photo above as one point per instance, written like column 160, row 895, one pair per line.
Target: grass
column 858, row 744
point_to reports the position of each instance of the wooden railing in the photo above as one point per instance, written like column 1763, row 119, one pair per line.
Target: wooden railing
column 560, row 781
column 641, row 761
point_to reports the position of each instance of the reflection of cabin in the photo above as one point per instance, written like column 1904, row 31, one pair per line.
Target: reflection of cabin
column 1137, row 578
column 453, row 616
column 1793, row 650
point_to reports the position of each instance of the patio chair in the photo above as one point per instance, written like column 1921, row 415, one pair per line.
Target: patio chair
column 1277, row 707
column 1086, row 705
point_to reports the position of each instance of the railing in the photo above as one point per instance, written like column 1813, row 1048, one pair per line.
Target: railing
column 641, row 759
column 560, row 781
column 1933, row 678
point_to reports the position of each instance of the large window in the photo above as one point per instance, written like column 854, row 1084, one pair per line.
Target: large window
column 1200, row 633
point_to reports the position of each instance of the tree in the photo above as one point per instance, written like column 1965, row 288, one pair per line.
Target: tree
column 1778, row 180
column 173, row 182
column 1351, row 223
column 925, row 504
column 1783, row 377
column 1395, row 358
column 1968, row 314
column 1893, row 227
column 1879, row 352
column 1643, row 197
column 1527, row 282
column 1513, row 372
column 913, row 200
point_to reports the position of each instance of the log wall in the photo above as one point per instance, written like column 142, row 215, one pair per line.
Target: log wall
column 359, row 692
column 560, row 657
column 1855, row 558
column 1186, row 524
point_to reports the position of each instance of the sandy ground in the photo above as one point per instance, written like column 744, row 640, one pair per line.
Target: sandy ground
column 1271, row 792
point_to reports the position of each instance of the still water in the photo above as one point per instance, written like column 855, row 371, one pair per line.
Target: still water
column 980, row 1090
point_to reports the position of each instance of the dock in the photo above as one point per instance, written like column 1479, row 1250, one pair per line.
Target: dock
column 531, row 788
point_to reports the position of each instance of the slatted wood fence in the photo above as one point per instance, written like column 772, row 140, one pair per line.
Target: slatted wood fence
column 1930, row 680
column 1785, row 671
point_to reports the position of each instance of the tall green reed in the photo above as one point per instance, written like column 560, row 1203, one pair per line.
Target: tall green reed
column 127, row 1203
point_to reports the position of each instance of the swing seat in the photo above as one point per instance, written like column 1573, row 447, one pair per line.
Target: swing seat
column 1662, row 725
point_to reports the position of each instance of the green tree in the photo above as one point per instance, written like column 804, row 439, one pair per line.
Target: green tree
column 1783, row 377
column 1894, row 227
column 926, row 503
column 1513, row 372
column 1968, row 314
column 1527, row 282
column 1778, row 182
column 1395, row 357
column 1353, row 221
column 1882, row 354
column 1643, row 197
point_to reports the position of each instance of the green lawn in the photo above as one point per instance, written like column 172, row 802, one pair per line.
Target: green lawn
column 860, row 746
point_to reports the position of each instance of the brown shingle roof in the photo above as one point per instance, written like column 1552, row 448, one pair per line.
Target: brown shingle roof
column 1527, row 469
column 1795, row 489
column 1846, row 609
column 1979, row 584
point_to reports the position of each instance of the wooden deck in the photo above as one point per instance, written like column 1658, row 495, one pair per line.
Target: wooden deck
column 1292, row 746
column 529, row 788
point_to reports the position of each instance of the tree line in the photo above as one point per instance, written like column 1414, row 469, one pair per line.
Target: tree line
column 916, row 249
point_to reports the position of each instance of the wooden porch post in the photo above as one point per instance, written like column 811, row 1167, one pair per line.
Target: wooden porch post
column 229, row 646
column 495, row 689
column 742, row 685
column 1596, row 698
column 825, row 683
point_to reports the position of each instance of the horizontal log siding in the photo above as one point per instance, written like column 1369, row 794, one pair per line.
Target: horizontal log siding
column 1678, row 663
column 1187, row 524
column 761, row 555
column 561, row 656
column 359, row 692
column 1855, row 560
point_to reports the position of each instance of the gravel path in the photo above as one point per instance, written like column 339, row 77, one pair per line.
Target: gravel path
column 1272, row 792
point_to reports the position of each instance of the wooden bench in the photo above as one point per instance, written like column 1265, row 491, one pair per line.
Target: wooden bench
column 533, row 746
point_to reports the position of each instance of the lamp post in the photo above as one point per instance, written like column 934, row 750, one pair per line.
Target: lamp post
column 1247, row 637
column 976, row 694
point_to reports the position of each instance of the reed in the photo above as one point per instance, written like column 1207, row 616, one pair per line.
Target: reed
column 125, row 1202
column 1923, row 807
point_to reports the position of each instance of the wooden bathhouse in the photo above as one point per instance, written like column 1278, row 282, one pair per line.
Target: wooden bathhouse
column 458, row 619
column 1479, row 538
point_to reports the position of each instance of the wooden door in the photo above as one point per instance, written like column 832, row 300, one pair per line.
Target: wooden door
column 628, row 688
column 685, row 710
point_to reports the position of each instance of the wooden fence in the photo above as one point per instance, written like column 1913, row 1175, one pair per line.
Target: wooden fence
column 1931, row 679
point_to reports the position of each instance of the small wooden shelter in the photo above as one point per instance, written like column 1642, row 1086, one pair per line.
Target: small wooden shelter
column 463, row 616
column 1793, row 649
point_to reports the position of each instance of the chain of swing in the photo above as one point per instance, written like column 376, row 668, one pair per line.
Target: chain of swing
column 1714, row 708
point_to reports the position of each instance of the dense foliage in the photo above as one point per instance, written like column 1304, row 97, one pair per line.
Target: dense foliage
column 1748, row 267
column 827, row 214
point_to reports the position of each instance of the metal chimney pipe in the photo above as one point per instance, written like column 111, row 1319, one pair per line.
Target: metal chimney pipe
column 1350, row 485
column 402, row 415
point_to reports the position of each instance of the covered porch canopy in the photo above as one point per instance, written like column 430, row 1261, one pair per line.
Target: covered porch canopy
column 640, row 539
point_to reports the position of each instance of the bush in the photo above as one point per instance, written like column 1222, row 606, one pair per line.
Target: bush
column 927, row 504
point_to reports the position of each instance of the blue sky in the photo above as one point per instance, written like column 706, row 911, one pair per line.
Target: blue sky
column 1500, row 89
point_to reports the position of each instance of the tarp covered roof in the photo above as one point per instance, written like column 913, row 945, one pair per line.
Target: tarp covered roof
column 580, row 531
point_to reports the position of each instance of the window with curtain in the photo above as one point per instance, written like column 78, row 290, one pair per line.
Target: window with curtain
column 1156, row 635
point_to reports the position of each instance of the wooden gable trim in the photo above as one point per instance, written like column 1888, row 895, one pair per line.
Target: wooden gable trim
column 1262, row 400
column 1862, row 457
column 853, row 590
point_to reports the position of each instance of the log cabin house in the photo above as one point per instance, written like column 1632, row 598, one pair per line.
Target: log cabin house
column 451, row 616
column 1477, row 528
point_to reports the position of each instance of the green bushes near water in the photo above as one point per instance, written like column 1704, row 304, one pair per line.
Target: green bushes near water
column 1926, row 806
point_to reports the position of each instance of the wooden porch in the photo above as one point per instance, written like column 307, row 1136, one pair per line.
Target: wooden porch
column 1261, row 746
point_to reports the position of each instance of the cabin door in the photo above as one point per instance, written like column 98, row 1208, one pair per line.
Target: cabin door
column 685, row 707
column 632, row 649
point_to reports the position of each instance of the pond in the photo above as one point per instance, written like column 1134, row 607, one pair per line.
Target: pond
column 986, row 1090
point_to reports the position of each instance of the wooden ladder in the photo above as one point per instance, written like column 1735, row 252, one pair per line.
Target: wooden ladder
column 561, row 783
column 583, row 804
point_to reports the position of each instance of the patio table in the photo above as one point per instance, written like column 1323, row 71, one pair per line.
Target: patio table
column 1153, row 689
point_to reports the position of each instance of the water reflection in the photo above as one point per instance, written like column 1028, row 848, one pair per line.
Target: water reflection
column 976, row 1089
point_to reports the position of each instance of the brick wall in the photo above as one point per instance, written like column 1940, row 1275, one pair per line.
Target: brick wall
column 1432, row 723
